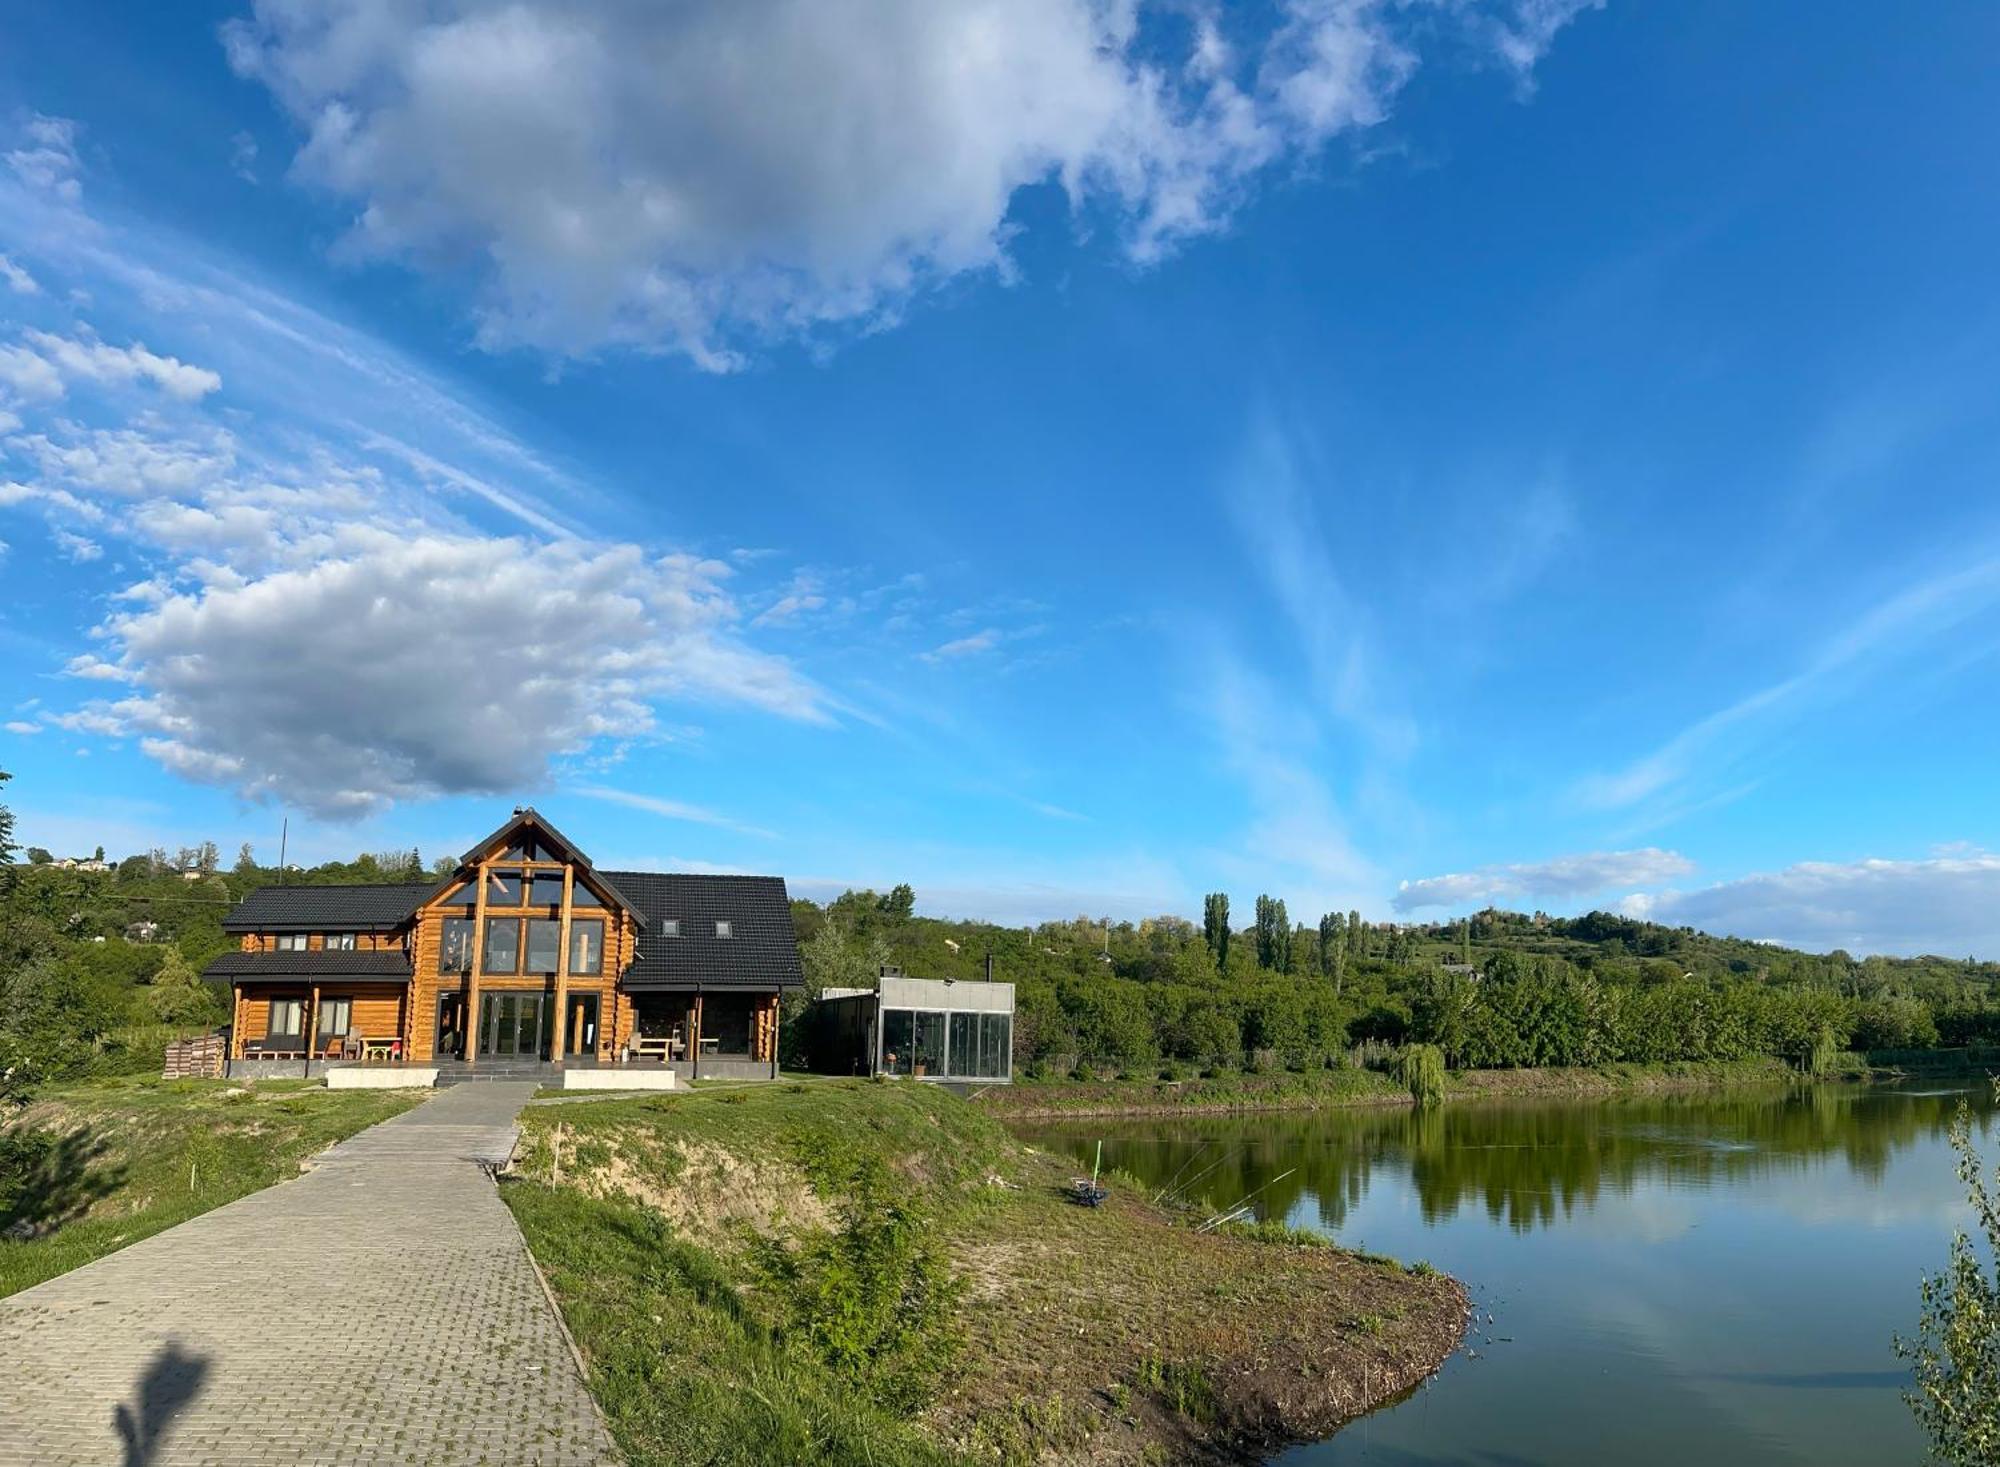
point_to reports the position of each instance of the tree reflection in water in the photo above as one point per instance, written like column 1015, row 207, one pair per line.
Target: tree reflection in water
column 1527, row 1162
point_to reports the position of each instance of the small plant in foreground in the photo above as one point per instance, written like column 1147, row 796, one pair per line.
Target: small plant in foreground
column 1956, row 1354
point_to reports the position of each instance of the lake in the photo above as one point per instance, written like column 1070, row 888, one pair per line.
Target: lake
column 1709, row 1278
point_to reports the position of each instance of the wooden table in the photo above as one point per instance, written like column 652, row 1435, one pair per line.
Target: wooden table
column 384, row 1049
column 661, row 1049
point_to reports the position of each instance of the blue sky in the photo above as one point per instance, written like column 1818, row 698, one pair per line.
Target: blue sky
column 1068, row 456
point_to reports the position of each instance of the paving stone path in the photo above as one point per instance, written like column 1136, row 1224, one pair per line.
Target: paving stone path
column 380, row 1309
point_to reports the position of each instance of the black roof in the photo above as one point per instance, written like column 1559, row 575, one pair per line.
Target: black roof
column 370, row 908
column 375, row 967
column 761, row 952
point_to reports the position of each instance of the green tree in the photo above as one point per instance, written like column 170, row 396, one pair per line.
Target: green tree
column 1333, row 949
column 1357, row 935
column 7, row 846
column 1215, row 927
column 177, row 996
column 900, row 904
column 246, row 861
column 1421, row 1067
column 1274, row 934
column 1956, row 1354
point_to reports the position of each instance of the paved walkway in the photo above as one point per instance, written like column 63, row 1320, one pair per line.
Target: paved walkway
column 380, row 1309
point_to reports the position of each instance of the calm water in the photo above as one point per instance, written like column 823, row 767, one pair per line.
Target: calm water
column 1711, row 1280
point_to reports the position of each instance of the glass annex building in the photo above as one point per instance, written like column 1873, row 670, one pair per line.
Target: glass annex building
column 920, row 1028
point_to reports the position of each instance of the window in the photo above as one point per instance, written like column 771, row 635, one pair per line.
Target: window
column 928, row 1048
column 722, row 929
column 580, row 895
column 586, row 946
column 996, row 1046
column 336, row 1016
column 965, row 1044
column 287, row 1017
column 503, row 888
column 895, row 1041
column 455, row 945
column 671, row 927
column 544, row 944
column 339, row 942
column 466, row 896
column 291, row 942
column 545, row 889
column 503, row 945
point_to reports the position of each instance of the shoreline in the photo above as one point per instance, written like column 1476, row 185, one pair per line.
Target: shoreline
column 1348, row 1089
column 685, row 1228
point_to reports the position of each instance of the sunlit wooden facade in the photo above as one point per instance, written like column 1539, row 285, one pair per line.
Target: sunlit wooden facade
column 525, row 952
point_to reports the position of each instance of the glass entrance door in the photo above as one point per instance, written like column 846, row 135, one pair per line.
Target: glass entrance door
column 510, row 1025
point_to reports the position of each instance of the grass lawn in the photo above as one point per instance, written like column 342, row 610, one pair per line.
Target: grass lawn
column 856, row 1272
column 89, row 1168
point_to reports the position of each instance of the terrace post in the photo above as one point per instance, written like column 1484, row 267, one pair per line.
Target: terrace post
column 311, row 1028
column 558, row 1040
column 471, row 1040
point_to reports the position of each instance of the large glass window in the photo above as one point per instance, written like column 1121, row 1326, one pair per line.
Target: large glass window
column 928, row 1046
column 465, row 896
column 336, row 1015
column 586, row 946
column 455, row 945
column 545, row 889
column 503, row 888
column 965, row 1044
column 580, row 895
column 996, row 1044
column 896, row 1033
column 503, row 945
column 288, row 1016
column 544, row 944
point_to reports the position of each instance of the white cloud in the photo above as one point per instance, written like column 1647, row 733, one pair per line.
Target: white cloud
column 29, row 374
column 76, row 547
column 16, row 726
column 243, row 157
column 609, row 166
column 1949, row 904
column 1563, row 878
column 47, row 159
column 100, row 362
column 667, row 809
column 968, row 646
column 18, row 280
column 417, row 665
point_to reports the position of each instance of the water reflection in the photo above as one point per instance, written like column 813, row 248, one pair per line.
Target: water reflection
column 1712, row 1278
column 1527, row 1164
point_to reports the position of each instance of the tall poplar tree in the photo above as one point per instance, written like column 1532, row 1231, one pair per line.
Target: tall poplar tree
column 1215, row 927
column 1333, row 949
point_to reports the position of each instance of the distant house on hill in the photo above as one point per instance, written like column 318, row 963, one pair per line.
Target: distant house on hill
column 525, row 953
column 1464, row 970
column 145, row 931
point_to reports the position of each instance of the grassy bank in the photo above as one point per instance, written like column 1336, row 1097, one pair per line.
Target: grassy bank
column 1234, row 1090
column 91, row 1168
column 853, row 1272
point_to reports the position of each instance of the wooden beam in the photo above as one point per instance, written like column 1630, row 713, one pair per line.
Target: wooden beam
column 694, row 1039
column 236, row 1021
column 311, row 1027
column 470, row 1042
column 561, row 1036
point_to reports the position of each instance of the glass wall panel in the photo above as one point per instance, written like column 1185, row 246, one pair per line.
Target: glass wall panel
column 928, row 1046
column 465, row 896
column 996, row 1039
column 896, row 1041
column 580, row 895
column 545, row 889
column 503, row 945
column 503, row 888
column 455, row 945
column 964, row 1044
column 586, row 946
column 544, row 944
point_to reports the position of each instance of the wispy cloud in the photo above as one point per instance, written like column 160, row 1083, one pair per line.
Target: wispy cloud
column 1948, row 903
column 1874, row 643
column 1562, row 878
column 669, row 809
column 969, row 646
